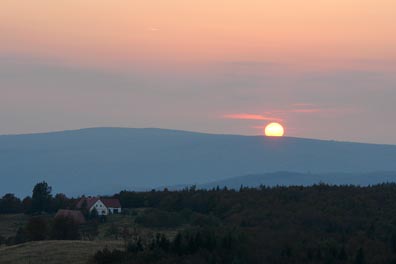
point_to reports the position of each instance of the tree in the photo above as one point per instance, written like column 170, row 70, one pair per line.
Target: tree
column 359, row 259
column 41, row 198
column 106, row 256
column 10, row 204
column 84, row 208
column 94, row 214
column 27, row 205
column 342, row 254
column 60, row 201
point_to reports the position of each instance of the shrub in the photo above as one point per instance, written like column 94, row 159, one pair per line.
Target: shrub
column 64, row 228
column 37, row 229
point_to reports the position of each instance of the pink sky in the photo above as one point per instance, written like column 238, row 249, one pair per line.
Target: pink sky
column 326, row 68
column 316, row 33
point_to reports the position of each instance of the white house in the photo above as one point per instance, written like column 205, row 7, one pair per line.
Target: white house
column 102, row 205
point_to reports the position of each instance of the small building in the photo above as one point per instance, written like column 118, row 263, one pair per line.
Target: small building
column 103, row 206
column 76, row 215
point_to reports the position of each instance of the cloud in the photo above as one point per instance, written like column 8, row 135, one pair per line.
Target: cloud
column 252, row 117
column 255, row 64
column 302, row 105
column 153, row 29
column 303, row 108
column 307, row 110
column 279, row 115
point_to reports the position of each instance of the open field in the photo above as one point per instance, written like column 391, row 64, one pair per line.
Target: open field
column 78, row 251
column 9, row 223
column 54, row 252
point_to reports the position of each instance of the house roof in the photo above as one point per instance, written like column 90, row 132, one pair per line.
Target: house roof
column 113, row 203
column 77, row 216
column 90, row 202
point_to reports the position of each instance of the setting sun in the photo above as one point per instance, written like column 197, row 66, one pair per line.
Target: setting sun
column 274, row 130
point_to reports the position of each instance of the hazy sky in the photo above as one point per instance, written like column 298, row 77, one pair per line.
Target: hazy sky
column 323, row 68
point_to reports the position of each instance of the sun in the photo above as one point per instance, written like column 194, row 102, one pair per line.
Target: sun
column 274, row 130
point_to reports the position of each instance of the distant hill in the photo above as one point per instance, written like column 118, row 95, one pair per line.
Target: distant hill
column 300, row 179
column 106, row 160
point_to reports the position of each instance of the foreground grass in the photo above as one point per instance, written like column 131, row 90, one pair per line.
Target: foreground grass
column 54, row 252
column 79, row 251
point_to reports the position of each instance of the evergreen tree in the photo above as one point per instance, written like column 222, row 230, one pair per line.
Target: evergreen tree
column 359, row 259
column 41, row 198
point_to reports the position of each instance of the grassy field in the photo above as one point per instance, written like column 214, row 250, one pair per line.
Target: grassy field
column 54, row 252
column 9, row 223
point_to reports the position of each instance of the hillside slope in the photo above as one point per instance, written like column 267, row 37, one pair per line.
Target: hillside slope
column 54, row 252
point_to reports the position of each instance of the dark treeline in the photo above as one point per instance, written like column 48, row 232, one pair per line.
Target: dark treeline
column 41, row 224
column 41, row 201
column 317, row 224
column 40, row 228
column 198, row 245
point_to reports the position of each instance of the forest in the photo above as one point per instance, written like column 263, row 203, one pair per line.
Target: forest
column 315, row 224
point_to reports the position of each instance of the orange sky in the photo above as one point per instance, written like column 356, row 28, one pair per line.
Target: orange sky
column 313, row 33
column 325, row 68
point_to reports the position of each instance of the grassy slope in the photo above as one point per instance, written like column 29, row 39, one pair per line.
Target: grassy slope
column 54, row 252
column 9, row 223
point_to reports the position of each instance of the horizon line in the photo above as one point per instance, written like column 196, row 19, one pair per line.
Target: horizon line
column 189, row 131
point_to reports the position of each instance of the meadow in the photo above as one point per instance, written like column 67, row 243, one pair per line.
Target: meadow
column 54, row 252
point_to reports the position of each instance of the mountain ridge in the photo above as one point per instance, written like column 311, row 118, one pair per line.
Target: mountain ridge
column 107, row 160
column 183, row 131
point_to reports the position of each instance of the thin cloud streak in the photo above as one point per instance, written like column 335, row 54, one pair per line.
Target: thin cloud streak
column 252, row 117
column 307, row 111
column 303, row 105
column 285, row 114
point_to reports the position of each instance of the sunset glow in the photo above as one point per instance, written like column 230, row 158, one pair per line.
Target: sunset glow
column 321, row 33
column 251, row 117
column 209, row 66
column 219, row 101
